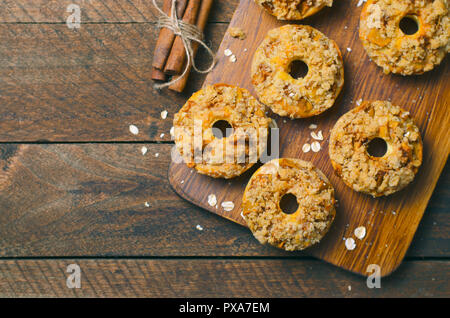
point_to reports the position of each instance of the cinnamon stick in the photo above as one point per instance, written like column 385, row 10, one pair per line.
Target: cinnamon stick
column 158, row 75
column 177, row 57
column 205, row 9
column 166, row 36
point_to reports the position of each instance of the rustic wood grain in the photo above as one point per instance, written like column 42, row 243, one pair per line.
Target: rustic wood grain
column 105, row 11
column 392, row 221
column 214, row 278
column 89, row 200
column 88, row 85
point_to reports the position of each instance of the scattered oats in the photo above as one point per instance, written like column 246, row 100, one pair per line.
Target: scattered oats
column 212, row 200
column 199, row 227
column 172, row 131
column 284, row 121
column 349, row 49
column 147, row 204
column 345, row 27
column 227, row 52
column 312, row 126
column 242, row 215
column 182, row 181
column 237, row 33
column 228, row 206
column 394, row 213
column 162, row 135
column 414, row 100
column 164, row 114
column 350, row 244
column 134, row 130
column 156, row 155
column 404, row 115
column 144, row 150
column 291, row 94
column 306, row 148
column 245, row 50
column 233, row 58
column 349, row 288
column 360, row 232
column 315, row 146
column 359, row 101
column 317, row 136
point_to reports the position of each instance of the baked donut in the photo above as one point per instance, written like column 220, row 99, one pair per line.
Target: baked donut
column 293, row 9
column 354, row 134
column 315, row 198
column 221, row 156
column 297, row 97
column 400, row 49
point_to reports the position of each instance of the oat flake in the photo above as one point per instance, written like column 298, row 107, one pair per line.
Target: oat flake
column 199, row 227
column 164, row 114
column 212, row 200
column 360, row 232
column 318, row 136
column 144, row 150
column 134, row 130
column 306, row 148
column 227, row 52
column 315, row 146
column 350, row 244
column 228, row 206
column 312, row 126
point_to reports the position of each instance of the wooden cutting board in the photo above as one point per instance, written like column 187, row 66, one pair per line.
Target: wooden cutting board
column 391, row 221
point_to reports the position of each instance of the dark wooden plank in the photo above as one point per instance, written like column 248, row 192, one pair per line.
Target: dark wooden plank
column 89, row 200
column 391, row 221
column 57, row 84
column 215, row 278
column 110, row 11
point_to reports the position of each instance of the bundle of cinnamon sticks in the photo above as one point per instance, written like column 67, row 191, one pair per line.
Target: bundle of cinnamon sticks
column 170, row 58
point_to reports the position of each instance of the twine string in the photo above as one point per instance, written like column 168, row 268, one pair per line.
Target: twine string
column 188, row 33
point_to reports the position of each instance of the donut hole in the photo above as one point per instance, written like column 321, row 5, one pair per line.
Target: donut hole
column 288, row 203
column 377, row 147
column 409, row 25
column 298, row 69
column 222, row 129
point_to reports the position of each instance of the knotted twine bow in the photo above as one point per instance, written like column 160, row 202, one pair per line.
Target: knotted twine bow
column 188, row 33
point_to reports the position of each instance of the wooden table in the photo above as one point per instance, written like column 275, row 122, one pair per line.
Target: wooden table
column 75, row 187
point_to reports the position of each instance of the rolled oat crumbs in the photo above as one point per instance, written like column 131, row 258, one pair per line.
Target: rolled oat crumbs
column 293, row 9
column 238, row 33
column 318, row 136
column 134, row 130
column 164, row 114
column 349, row 148
column 228, row 206
column 199, row 227
column 306, row 148
column 350, row 244
column 212, row 200
column 315, row 146
column 284, row 92
column 144, row 150
column 264, row 215
column 360, row 232
column 397, row 49
column 227, row 52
